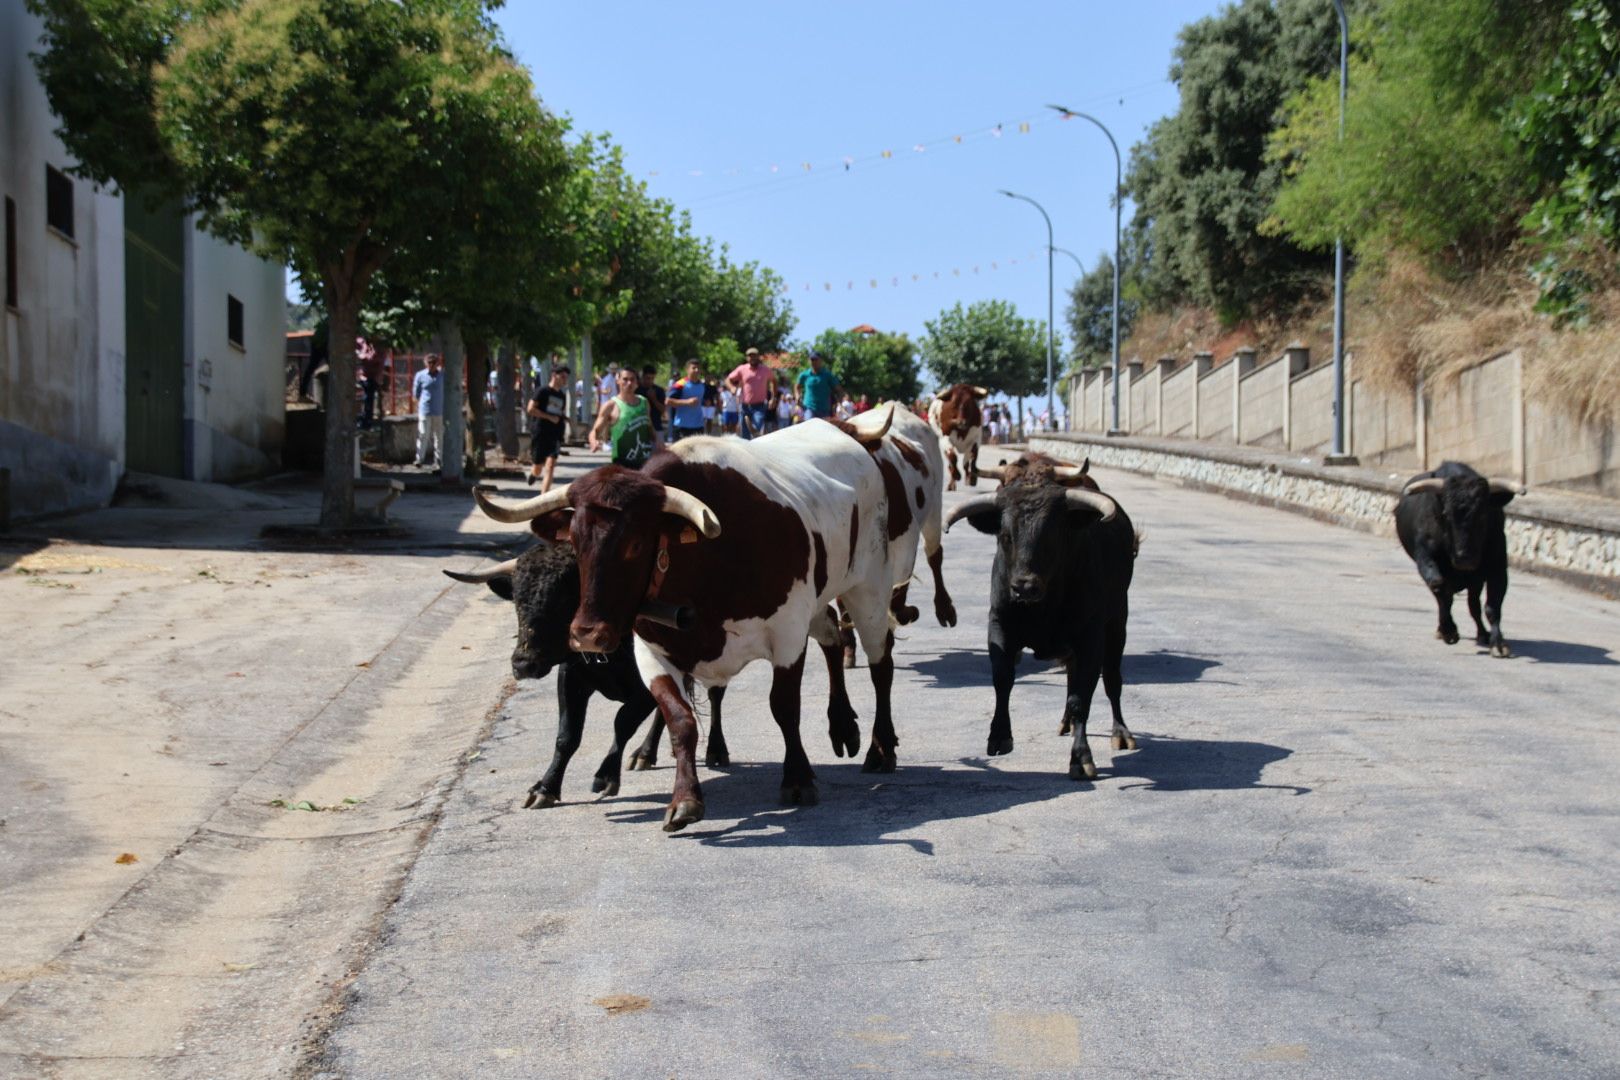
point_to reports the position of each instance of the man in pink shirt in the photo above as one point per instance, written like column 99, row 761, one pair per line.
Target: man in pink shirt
column 755, row 385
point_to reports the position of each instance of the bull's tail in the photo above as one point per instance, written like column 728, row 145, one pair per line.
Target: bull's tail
column 1136, row 542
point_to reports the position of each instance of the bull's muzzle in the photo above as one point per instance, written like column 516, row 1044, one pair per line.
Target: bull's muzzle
column 1027, row 588
column 592, row 637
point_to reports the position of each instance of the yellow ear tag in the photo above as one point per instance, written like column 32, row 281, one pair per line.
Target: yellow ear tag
column 663, row 561
column 689, row 535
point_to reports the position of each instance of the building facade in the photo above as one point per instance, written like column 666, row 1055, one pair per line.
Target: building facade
column 132, row 340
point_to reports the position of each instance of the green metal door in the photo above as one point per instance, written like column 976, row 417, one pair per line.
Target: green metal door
column 154, row 317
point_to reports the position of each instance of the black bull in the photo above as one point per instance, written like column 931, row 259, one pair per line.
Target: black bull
column 1059, row 587
column 1450, row 522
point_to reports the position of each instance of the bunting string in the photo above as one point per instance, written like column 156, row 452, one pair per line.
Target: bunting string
column 917, row 277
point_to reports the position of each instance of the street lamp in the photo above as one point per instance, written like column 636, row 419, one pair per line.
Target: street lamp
column 1078, row 264
column 1119, row 202
column 1339, row 455
column 1051, row 411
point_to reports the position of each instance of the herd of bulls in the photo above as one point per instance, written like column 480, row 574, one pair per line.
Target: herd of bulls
column 718, row 552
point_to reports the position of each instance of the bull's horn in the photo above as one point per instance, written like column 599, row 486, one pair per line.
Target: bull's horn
column 692, row 509
column 1068, row 472
column 976, row 505
column 528, row 510
column 939, row 395
column 994, row 472
column 1093, row 499
column 1427, row 483
column 1506, row 487
column 870, row 439
column 979, row 391
column 482, row 577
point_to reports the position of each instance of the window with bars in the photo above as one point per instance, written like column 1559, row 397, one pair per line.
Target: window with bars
column 233, row 322
column 59, row 201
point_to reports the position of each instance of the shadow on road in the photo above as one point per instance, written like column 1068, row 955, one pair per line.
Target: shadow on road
column 1165, row 763
column 964, row 668
column 1561, row 652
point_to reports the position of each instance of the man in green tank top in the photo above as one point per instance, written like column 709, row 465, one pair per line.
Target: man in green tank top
column 625, row 424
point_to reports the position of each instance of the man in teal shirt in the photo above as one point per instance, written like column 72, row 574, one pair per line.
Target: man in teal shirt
column 818, row 388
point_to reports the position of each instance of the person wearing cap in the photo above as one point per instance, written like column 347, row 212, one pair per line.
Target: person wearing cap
column 819, row 389
column 755, row 384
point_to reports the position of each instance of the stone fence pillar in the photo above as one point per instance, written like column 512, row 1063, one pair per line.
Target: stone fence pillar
column 1243, row 363
column 1296, row 360
column 1202, row 362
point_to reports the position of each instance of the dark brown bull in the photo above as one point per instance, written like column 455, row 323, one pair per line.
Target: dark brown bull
column 957, row 419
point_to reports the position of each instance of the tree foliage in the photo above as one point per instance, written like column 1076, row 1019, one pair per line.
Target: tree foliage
column 1090, row 314
column 987, row 344
column 1202, row 183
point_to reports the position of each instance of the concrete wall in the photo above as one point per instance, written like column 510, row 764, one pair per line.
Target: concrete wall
column 235, row 399
column 1261, row 398
column 62, row 349
column 1215, row 403
column 1179, row 391
column 1383, row 426
column 1473, row 419
column 1311, row 407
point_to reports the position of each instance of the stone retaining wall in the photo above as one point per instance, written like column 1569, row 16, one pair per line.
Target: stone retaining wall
column 1548, row 534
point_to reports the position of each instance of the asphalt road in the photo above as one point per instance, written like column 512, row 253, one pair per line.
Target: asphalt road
column 1342, row 849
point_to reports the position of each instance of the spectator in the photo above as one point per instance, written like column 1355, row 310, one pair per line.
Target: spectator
column 784, row 409
column 846, row 408
column 685, row 402
column 371, row 379
column 607, row 386
column 711, row 405
column 818, row 388
column 428, row 393
column 579, row 399
column 861, row 405
column 546, row 411
column 655, row 396
column 624, row 424
column 756, row 388
column 730, row 410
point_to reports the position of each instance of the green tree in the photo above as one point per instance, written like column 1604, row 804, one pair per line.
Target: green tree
column 987, row 344
column 749, row 304
column 1201, row 182
column 328, row 134
column 1425, row 165
column 882, row 366
column 1090, row 314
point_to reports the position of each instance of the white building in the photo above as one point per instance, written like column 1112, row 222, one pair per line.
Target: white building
column 132, row 341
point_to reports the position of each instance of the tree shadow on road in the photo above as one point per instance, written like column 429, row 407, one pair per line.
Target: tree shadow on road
column 1166, row 763
column 1561, row 652
column 857, row 809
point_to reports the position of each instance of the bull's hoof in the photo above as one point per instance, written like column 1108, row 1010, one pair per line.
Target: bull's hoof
column 539, row 800
column 998, row 745
column 878, row 760
column 1084, row 769
column 1123, row 740
column 945, row 612
column 846, row 738
column 605, row 788
column 803, row 794
column 1065, row 726
column 849, row 656
column 1450, row 637
column 683, row 813
column 716, row 757
column 906, row 615
column 973, row 479
column 1482, row 638
column 952, row 485
column 1501, row 651
column 640, row 762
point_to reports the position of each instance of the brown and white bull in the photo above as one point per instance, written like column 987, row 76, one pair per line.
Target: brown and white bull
column 751, row 542
column 956, row 418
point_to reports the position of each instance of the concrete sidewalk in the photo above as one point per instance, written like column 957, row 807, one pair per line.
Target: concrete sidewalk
column 217, row 759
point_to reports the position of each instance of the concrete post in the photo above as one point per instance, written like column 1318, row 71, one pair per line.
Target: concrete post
column 1161, row 372
column 455, row 424
column 1243, row 363
column 1202, row 362
column 1296, row 361
column 1105, row 377
column 1133, row 372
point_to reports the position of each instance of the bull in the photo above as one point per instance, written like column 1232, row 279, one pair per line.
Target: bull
column 1450, row 522
column 805, row 520
column 958, row 422
column 1059, row 586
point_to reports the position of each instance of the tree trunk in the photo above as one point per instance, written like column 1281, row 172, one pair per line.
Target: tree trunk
column 477, row 387
column 1021, row 437
column 337, row 479
column 506, row 426
column 455, row 423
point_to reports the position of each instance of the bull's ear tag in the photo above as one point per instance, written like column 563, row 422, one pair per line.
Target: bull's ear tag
column 663, row 561
column 689, row 535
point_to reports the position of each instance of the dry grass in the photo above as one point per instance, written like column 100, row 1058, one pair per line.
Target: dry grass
column 1407, row 321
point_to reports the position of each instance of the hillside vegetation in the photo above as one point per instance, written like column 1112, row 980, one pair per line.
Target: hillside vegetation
column 1476, row 187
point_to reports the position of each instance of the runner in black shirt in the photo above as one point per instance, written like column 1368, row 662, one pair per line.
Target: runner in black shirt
column 547, row 423
column 655, row 396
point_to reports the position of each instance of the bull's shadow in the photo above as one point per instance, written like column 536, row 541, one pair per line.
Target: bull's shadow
column 967, row 668
column 863, row 809
column 1561, row 652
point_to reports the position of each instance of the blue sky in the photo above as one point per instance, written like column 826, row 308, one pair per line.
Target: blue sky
column 731, row 89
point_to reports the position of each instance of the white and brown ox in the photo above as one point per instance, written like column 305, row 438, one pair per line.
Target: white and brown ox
column 956, row 418
column 751, row 542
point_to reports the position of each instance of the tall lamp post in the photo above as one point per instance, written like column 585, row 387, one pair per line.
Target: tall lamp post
column 1051, row 411
column 1078, row 264
column 1340, row 456
column 1119, row 202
